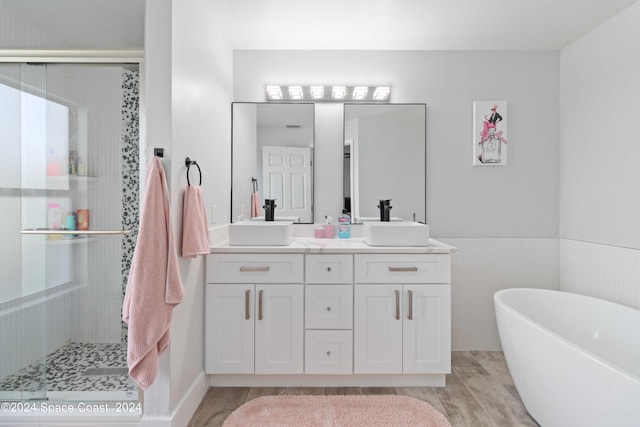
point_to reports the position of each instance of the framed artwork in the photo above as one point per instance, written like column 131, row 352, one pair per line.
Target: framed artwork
column 490, row 133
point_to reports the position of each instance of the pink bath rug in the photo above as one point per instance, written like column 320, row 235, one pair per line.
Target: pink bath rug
column 335, row 411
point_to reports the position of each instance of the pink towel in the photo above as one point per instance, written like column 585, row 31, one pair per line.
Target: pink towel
column 195, row 232
column 255, row 204
column 154, row 287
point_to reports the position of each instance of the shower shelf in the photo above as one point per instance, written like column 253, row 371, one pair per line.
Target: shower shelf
column 74, row 232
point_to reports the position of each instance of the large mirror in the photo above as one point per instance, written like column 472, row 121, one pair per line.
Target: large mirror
column 272, row 158
column 385, row 158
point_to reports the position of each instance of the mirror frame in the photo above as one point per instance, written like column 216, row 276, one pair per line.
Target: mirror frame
column 313, row 167
column 344, row 124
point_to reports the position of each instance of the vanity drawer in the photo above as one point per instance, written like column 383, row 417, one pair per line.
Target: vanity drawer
column 255, row 268
column 328, row 307
column 402, row 268
column 328, row 352
column 329, row 269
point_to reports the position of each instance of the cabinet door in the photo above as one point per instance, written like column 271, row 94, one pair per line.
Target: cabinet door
column 229, row 329
column 377, row 329
column 279, row 333
column 427, row 329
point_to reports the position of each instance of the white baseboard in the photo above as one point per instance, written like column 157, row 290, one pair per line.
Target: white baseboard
column 190, row 402
column 185, row 409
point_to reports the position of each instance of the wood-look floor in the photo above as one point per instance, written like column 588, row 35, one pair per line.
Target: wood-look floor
column 479, row 392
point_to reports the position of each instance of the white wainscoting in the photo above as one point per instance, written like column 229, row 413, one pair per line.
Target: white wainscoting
column 608, row 272
column 482, row 266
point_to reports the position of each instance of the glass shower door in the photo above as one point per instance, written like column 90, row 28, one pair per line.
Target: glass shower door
column 69, row 192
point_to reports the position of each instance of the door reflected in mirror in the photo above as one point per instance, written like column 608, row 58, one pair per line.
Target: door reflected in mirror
column 272, row 158
column 385, row 158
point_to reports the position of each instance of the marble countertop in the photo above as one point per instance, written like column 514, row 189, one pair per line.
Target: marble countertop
column 311, row 245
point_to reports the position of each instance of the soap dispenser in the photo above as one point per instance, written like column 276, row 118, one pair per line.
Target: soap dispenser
column 329, row 229
column 344, row 225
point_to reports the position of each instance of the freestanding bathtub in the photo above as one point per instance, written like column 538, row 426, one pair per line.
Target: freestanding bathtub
column 575, row 360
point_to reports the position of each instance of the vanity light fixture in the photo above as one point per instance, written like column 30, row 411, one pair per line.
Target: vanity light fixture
column 317, row 92
column 338, row 92
column 381, row 93
column 274, row 93
column 295, row 92
column 325, row 93
column 360, row 93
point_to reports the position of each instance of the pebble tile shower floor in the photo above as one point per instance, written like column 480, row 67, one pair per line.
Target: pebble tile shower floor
column 76, row 367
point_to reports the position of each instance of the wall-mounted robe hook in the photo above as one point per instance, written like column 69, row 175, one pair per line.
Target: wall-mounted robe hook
column 188, row 162
column 158, row 152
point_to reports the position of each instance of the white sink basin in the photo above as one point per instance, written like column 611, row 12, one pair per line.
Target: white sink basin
column 255, row 233
column 396, row 234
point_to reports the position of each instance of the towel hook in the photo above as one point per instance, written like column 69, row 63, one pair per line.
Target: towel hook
column 188, row 162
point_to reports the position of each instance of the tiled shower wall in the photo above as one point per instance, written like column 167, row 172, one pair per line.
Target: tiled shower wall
column 130, row 172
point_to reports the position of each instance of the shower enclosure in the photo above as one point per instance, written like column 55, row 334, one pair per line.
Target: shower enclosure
column 69, row 186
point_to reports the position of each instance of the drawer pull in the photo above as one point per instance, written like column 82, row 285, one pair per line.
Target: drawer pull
column 328, row 353
column 410, row 315
column 246, row 269
column 328, row 308
column 329, row 269
column 394, row 269
column 260, row 304
column 397, row 304
column 247, row 304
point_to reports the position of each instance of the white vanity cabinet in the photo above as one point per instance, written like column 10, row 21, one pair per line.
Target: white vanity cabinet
column 330, row 312
column 402, row 314
column 254, row 314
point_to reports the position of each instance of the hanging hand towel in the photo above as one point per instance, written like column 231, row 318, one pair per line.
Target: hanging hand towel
column 154, row 287
column 255, row 204
column 195, row 232
column 255, row 199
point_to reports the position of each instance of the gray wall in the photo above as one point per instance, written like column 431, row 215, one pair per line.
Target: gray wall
column 520, row 199
column 600, row 134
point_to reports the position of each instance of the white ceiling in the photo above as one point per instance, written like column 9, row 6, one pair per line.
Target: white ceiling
column 84, row 24
column 413, row 24
column 338, row 24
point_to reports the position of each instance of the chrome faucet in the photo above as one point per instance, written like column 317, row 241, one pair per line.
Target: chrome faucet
column 385, row 208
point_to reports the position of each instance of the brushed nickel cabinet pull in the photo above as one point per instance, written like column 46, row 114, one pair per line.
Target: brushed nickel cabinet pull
column 397, row 304
column 260, row 304
column 245, row 268
column 394, row 269
column 247, row 304
column 410, row 316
